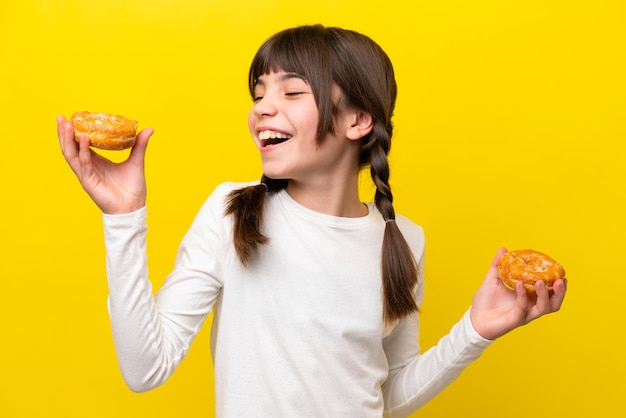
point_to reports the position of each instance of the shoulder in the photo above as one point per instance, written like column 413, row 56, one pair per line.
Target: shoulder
column 215, row 203
column 413, row 234
column 221, row 192
column 223, row 189
column 409, row 228
column 411, row 231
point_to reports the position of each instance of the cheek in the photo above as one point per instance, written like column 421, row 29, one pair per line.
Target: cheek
column 251, row 121
column 252, row 127
column 305, row 122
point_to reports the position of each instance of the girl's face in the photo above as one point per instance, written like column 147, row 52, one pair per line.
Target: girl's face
column 283, row 123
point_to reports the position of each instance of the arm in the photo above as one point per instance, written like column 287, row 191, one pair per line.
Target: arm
column 421, row 377
column 495, row 311
column 152, row 335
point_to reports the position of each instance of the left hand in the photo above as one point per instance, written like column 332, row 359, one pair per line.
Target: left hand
column 497, row 310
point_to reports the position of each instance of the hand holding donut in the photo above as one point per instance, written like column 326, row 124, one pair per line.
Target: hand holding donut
column 115, row 187
column 496, row 310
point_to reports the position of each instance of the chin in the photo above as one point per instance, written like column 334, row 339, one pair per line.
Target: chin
column 273, row 172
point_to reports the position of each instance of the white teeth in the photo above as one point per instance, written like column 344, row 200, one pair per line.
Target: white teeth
column 265, row 135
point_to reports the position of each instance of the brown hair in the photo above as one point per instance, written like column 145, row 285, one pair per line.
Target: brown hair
column 327, row 56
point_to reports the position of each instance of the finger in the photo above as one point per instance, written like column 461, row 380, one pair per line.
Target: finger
column 522, row 299
column 138, row 152
column 84, row 158
column 69, row 147
column 542, row 306
column 492, row 274
column 60, row 128
column 559, row 288
column 498, row 256
column 62, row 132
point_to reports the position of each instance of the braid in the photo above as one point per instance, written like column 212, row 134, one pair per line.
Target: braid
column 399, row 269
column 246, row 205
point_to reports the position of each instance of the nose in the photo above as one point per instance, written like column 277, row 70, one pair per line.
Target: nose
column 264, row 106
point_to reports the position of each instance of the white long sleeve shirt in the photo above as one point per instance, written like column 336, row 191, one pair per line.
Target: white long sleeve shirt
column 297, row 333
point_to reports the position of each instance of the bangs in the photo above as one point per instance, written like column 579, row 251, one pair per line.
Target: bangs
column 274, row 57
column 303, row 52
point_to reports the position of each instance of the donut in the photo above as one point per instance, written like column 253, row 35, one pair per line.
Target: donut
column 105, row 130
column 529, row 266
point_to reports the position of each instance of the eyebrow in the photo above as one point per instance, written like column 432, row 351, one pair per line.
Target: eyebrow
column 283, row 77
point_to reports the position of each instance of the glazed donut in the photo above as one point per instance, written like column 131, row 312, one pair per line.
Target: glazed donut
column 105, row 130
column 529, row 266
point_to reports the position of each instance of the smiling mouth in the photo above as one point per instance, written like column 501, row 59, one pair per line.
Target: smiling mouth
column 269, row 138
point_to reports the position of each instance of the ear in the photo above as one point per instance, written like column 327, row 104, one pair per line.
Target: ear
column 361, row 124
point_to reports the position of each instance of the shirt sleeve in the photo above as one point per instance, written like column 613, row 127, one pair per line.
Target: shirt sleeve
column 420, row 377
column 152, row 333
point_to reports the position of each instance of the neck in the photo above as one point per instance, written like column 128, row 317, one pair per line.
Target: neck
column 330, row 198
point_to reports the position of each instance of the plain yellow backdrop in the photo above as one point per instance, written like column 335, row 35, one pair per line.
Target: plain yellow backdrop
column 509, row 132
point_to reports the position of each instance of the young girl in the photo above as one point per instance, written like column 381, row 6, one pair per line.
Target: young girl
column 314, row 294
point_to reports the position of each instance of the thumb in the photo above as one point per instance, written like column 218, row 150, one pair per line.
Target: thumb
column 138, row 152
column 492, row 275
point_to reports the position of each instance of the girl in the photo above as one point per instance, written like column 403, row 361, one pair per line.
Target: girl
column 314, row 294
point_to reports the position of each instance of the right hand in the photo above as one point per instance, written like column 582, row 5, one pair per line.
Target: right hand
column 115, row 188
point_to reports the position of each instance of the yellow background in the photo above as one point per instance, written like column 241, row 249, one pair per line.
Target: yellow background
column 509, row 132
